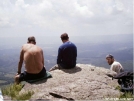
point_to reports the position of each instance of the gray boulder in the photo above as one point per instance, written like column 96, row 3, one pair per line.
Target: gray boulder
column 85, row 82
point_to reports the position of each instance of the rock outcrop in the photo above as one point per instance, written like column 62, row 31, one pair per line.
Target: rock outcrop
column 85, row 82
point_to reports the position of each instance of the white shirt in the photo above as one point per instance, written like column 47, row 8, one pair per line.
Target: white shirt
column 117, row 67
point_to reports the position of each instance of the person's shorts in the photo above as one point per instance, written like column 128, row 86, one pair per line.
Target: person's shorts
column 29, row 76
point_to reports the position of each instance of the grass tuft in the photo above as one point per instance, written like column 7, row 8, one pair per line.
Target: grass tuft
column 124, row 95
column 25, row 96
column 13, row 91
column 118, row 88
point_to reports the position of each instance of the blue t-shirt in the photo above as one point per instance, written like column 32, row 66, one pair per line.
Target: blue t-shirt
column 67, row 54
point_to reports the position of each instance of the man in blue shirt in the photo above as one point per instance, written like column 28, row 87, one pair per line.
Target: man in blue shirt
column 67, row 54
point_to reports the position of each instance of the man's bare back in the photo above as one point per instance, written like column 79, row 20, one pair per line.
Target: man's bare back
column 33, row 58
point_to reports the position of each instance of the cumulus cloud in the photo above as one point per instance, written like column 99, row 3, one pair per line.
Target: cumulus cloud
column 81, row 17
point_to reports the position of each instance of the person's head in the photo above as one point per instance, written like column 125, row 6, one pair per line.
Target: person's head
column 64, row 37
column 110, row 59
column 31, row 40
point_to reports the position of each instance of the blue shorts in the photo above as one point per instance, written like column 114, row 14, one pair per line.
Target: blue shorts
column 29, row 76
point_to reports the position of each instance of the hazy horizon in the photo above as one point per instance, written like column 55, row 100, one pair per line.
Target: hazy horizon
column 91, row 50
column 77, row 39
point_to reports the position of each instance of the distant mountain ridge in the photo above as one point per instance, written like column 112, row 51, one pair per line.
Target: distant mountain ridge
column 91, row 50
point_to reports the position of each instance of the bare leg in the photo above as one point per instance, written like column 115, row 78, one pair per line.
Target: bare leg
column 55, row 67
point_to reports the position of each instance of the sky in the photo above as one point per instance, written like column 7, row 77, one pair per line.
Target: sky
column 75, row 17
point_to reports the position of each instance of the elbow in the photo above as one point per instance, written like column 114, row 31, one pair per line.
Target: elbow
column 20, row 62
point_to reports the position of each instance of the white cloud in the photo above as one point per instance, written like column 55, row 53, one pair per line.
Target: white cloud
column 81, row 17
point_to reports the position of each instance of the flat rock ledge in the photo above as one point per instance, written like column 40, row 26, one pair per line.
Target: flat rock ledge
column 85, row 82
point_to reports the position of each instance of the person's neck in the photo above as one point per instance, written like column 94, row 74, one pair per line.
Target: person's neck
column 65, row 41
column 31, row 43
column 113, row 62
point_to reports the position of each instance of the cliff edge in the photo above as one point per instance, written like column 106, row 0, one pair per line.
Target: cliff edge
column 85, row 82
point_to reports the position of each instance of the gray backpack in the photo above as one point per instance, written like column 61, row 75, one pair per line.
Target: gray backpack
column 125, row 80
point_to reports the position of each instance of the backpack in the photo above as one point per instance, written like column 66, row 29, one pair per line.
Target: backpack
column 125, row 80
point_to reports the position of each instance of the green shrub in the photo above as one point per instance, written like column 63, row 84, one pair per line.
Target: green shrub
column 13, row 91
column 126, row 95
column 25, row 96
column 118, row 88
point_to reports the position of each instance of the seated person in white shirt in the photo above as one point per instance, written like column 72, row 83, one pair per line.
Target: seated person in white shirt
column 115, row 66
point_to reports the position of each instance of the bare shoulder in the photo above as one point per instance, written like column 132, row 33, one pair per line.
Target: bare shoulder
column 36, row 47
column 24, row 46
column 39, row 48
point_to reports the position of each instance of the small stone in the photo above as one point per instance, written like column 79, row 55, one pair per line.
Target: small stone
column 92, row 69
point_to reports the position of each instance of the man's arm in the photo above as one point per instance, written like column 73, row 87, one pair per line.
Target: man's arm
column 59, row 56
column 20, row 61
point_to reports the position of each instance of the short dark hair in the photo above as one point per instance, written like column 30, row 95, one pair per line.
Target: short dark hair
column 31, row 38
column 109, row 56
column 64, row 36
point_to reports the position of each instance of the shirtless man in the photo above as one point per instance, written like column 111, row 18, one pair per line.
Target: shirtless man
column 115, row 66
column 33, row 58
